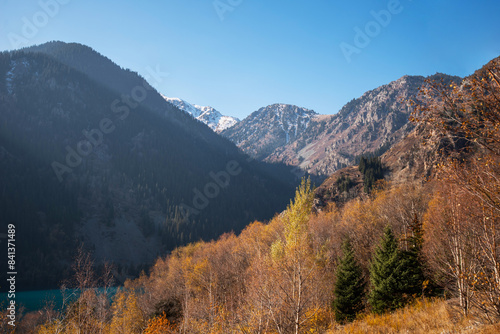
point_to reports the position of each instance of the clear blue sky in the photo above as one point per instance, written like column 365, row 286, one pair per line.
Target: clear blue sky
column 273, row 51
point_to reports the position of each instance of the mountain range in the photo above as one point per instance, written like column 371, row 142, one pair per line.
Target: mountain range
column 323, row 144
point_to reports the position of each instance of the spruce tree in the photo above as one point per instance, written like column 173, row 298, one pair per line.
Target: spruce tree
column 349, row 288
column 384, row 294
column 411, row 271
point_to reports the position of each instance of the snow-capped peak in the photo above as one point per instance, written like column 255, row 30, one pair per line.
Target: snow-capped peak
column 183, row 105
column 208, row 115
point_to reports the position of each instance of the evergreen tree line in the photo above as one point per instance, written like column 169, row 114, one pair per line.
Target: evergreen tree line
column 372, row 170
column 344, row 183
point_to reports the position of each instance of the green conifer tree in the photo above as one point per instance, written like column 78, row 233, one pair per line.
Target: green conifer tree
column 384, row 294
column 349, row 288
column 411, row 273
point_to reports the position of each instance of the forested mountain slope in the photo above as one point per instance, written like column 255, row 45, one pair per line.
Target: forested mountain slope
column 83, row 159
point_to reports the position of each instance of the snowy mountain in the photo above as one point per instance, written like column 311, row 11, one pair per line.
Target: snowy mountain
column 208, row 115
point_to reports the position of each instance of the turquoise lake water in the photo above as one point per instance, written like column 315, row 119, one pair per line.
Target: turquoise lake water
column 36, row 300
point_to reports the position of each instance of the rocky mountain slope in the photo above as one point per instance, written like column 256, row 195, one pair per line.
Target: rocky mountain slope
column 370, row 124
column 270, row 128
column 414, row 158
column 419, row 154
column 208, row 115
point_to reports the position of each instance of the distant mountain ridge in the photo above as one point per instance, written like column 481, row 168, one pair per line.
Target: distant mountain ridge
column 323, row 144
column 208, row 115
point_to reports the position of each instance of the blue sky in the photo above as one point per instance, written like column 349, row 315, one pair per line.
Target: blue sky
column 252, row 53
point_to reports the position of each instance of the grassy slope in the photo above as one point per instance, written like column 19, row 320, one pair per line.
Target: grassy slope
column 427, row 316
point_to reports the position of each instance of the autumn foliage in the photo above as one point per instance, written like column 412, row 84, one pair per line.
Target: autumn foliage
column 292, row 275
column 462, row 223
column 160, row 325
